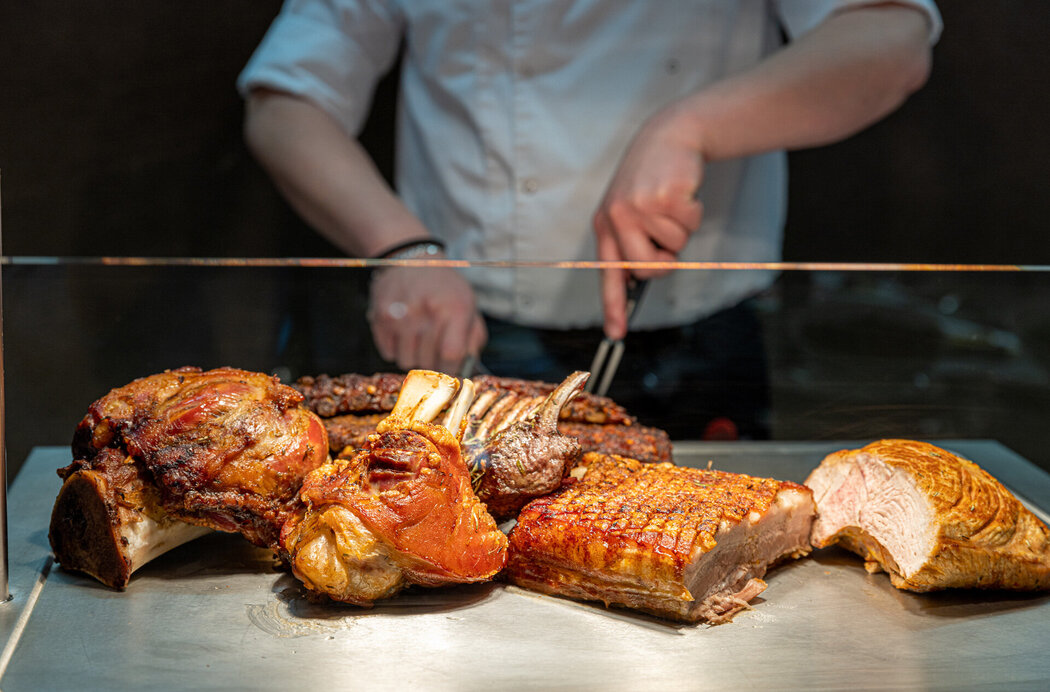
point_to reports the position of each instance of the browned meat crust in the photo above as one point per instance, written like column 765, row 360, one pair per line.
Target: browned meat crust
column 350, row 431
column 929, row 518
column 584, row 408
column 352, row 393
column 516, row 452
column 635, row 441
column 227, row 449
column 682, row 543
column 95, row 503
column 398, row 511
column 650, row 445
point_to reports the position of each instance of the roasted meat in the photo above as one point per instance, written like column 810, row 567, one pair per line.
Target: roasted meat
column 353, row 393
column 224, row 449
column 513, row 443
column 108, row 520
column 352, row 405
column 400, row 510
column 350, row 393
column 929, row 518
column 349, row 431
column 514, row 449
column 681, row 543
column 641, row 442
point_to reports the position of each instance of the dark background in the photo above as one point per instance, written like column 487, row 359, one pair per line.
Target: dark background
column 120, row 134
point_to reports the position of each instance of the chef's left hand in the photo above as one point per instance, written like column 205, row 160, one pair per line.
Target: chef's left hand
column 649, row 209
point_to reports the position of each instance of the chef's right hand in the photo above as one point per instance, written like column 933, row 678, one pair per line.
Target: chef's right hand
column 425, row 318
column 650, row 208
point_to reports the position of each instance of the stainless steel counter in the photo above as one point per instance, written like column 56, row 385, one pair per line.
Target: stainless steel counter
column 215, row 614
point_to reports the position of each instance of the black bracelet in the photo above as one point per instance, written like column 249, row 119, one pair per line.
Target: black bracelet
column 414, row 249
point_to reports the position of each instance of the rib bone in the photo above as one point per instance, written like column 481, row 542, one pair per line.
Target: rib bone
column 525, row 458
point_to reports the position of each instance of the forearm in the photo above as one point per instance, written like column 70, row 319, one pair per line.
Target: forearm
column 855, row 68
column 326, row 175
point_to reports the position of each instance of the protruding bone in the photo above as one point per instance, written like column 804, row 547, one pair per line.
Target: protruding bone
column 92, row 531
column 551, row 409
column 527, row 457
column 454, row 418
column 423, row 396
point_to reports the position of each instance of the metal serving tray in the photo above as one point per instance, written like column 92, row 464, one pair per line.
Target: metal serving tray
column 216, row 615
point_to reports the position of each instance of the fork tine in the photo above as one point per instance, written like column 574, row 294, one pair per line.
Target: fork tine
column 610, row 367
column 597, row 364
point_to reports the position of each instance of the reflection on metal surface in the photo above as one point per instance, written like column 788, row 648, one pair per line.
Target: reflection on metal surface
column 277, row 619
column 23, row 618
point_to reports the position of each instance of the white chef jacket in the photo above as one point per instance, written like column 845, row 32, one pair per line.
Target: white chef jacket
column 513, row 116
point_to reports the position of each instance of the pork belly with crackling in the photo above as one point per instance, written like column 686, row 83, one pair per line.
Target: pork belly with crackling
column 682, row 543
column 400, row 510
column 930, row 518
column 168, row 457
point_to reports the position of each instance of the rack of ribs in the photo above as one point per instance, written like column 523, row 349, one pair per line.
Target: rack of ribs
column 398, row 511
column 354, row 393
column 929, row 518
column 514, row 447
column 171, row 456
column 514, row 444
column 351, row 405
column 681, row 543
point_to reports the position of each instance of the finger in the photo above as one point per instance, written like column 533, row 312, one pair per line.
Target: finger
column 633, row 239
column 661, row 256
column 614, row 285
column 427, row 341
column 614, row 302
column 454, row 344
column 638, row 246
column 382, row 335
column 384, row 309
column 667, row 233
column 685, row 211
column 406, row 346
column 384, row 341
column 606, row 249
column 479, row 335
column 623, row 223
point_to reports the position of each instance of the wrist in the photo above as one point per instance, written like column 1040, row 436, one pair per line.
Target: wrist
column 683, row 124
column 420, row 248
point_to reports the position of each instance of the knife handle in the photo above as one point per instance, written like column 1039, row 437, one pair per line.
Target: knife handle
column 635, row 292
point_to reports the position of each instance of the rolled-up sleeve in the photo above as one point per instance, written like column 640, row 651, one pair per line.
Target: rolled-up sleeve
column 331, row 52
column 800, row 16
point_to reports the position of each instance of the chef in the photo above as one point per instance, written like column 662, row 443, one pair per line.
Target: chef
column 550, row 130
